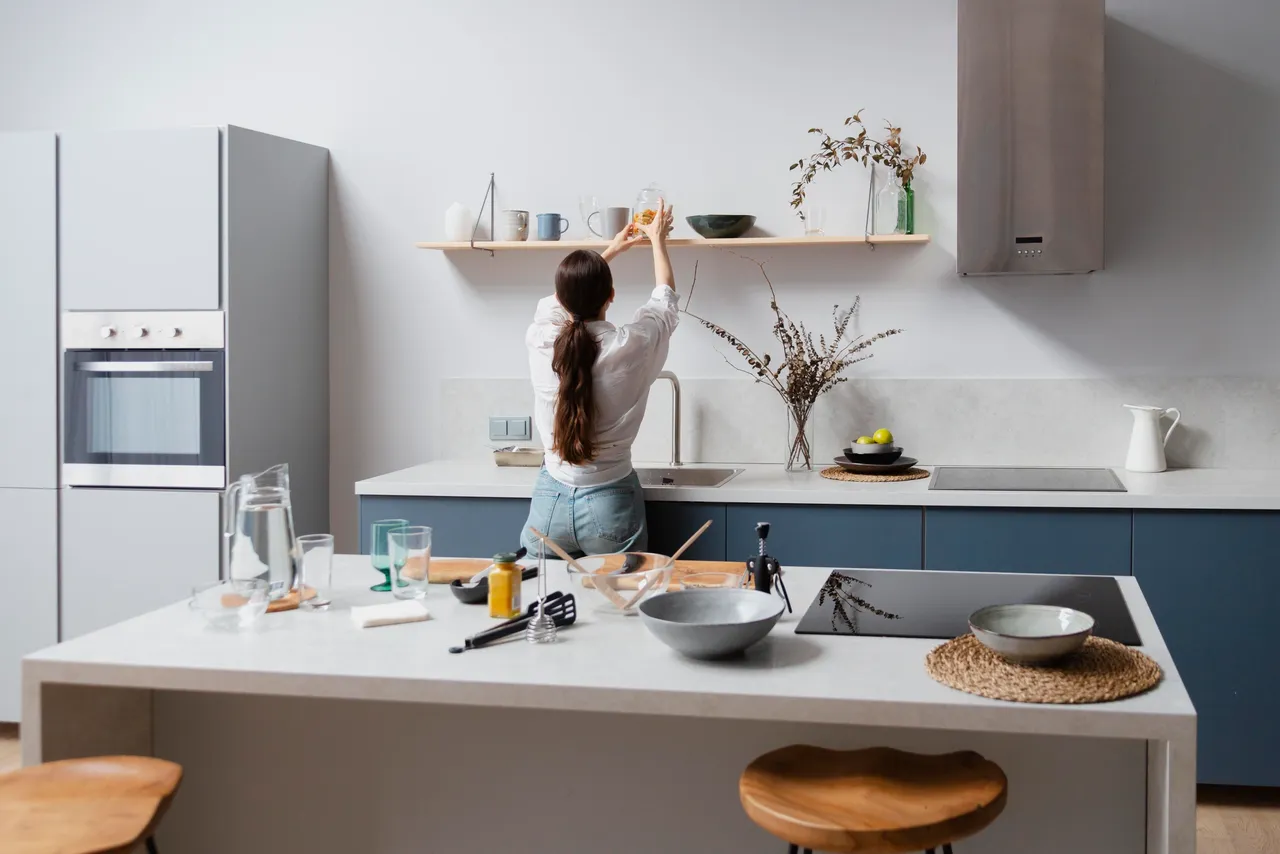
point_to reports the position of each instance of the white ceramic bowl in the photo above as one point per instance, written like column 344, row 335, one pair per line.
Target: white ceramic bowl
column 1031, row 634
column 712, row 623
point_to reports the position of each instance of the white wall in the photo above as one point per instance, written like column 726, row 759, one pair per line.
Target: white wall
column 419, row 99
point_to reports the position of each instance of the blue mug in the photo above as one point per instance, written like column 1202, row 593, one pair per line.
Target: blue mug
column 551, row 226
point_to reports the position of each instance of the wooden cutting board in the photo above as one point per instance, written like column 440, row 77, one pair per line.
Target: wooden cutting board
column 444, row 570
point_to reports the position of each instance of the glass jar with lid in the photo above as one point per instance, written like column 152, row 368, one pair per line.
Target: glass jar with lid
column 647, row 204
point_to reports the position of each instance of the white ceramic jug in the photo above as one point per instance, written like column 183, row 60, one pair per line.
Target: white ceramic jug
column 1146, row 446
column 457, row 222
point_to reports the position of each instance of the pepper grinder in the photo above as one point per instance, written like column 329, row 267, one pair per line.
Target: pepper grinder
column 766, row 569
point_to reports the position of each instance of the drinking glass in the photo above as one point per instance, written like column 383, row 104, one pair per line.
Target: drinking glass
column 815, row 217
column 315, row 571
column 588, row 205
column 410, row 552
column 378, row 549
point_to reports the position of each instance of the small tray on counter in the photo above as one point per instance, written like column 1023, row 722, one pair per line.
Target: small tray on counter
column 518, row 456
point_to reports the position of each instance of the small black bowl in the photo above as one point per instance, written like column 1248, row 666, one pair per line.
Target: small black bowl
column 719, row 226
column 478, row 593
column 873, row 454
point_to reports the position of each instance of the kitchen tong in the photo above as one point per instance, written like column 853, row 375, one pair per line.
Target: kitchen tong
column 560, row 607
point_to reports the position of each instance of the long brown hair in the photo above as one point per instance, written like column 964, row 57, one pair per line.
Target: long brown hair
column 584, row 286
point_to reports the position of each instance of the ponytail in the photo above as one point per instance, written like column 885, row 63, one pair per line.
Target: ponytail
column 575, row 355
column 584, row 286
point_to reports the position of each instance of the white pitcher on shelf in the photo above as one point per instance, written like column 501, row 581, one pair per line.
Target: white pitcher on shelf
column 1146, row 445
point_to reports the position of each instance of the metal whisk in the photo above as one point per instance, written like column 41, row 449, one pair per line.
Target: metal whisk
column 541, row 629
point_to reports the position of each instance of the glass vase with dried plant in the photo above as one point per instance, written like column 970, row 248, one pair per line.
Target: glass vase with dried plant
column 809, row 367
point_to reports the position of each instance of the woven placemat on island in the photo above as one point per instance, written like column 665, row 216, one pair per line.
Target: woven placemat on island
column 837, row 473
column 1101, row 670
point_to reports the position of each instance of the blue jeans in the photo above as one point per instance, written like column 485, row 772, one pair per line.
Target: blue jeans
column 587, row 520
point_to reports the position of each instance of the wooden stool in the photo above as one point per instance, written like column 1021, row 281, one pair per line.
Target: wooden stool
column 102, row 805
column 874, row 801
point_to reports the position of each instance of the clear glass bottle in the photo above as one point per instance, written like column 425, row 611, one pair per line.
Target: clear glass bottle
column 888, row 201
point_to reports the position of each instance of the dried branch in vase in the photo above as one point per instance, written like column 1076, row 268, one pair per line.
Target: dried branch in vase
column 807, row 368
column 832, row 152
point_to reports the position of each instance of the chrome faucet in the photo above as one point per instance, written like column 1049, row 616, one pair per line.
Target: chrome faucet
column 675, row 416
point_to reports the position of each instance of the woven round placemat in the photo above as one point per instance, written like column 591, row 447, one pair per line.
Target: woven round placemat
column 1102, row 670
column 837, row 473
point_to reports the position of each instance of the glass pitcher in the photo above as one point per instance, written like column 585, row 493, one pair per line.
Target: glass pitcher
column 260, row 532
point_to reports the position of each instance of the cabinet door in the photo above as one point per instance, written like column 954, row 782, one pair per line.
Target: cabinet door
column 460, row 527
column 1212, row 580
column 29, row 308
column 139, row 213
column 29, row 581
column 672, row 522
column 1004, row 539
column 806, row 535
column 129, row 551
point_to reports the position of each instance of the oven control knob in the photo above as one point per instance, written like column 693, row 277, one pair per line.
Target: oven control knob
column 138, row 332
column 171, row 332
column 107, row 332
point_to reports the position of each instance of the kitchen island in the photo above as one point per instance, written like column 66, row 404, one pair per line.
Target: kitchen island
column 308, row 734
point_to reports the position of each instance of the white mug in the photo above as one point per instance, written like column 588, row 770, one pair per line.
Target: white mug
column 514, row 225
column 612, row 220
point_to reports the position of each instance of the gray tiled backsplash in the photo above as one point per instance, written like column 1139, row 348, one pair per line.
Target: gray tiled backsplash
column 1226, row 422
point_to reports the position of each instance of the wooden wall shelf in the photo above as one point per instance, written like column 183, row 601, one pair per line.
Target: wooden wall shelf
column 743, row 242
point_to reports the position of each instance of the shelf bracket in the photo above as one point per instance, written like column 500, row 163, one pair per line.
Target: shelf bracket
column 491, row 198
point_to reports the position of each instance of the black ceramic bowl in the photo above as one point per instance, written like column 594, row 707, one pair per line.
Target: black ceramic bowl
column 873, row 454
column 721, row 225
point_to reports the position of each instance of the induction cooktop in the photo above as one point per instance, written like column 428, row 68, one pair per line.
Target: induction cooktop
column 924, row 604
column 1026, row 479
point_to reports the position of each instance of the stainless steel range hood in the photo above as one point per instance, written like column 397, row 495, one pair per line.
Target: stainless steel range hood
column 1031, row 134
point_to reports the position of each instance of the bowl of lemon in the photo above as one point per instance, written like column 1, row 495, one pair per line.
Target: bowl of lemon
column 876, row 449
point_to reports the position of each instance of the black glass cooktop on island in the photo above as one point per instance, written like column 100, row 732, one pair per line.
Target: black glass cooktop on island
column 923, row 604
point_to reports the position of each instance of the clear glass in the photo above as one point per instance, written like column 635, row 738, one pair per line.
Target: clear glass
column 800, row 438
column 315, row 571
column 155, row 414
column 887, row 201
column 409, row 552
column 646, row 207
column 815, row 218
column 378, row 554
column 230, row 605
column 260, row 527
column 625, row 579
column 587, row 207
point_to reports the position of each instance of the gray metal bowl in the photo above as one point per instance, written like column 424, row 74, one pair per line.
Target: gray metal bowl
column 873, row 453
column 711, row 623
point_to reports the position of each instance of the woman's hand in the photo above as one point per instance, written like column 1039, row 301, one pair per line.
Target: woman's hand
column 622, row 241
column 660, row 227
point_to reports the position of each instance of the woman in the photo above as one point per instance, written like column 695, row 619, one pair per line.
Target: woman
column 591, row 385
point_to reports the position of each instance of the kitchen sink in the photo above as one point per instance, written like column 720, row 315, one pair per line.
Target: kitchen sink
column 686, row 476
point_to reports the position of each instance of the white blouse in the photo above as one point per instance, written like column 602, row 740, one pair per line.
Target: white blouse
column 631, row 357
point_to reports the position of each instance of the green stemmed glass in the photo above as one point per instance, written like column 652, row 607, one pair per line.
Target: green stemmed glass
column 379, row 552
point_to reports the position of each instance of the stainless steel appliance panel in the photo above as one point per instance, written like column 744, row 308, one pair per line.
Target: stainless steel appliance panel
column 143, row 330
column 1030, row 115
column 1025, row 479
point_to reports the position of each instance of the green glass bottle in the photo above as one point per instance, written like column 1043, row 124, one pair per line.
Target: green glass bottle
column 906, row 211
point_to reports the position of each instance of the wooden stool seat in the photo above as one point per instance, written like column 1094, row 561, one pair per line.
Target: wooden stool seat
column 874, row 801
column 85, row 806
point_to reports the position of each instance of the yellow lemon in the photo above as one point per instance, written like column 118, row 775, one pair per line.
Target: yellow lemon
column 866, row 440
column 882, row 437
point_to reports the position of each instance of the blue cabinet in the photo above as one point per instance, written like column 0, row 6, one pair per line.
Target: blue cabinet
column 808, row 535
column 461, row 527
column 672, row 522
column 1004, row 539
column 1212, row 580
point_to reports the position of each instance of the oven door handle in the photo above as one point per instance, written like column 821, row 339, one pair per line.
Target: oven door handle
column 142, row 367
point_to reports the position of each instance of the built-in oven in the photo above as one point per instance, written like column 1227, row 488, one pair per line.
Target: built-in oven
column 145, row 399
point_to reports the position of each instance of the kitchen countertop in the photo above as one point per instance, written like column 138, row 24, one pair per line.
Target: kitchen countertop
column 1177, row 489
column 605, row 663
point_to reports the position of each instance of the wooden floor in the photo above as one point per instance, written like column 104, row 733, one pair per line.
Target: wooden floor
column 1228, row 820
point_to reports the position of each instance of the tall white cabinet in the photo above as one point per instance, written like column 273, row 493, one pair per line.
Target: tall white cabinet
column 28, row 405
column 139, row 212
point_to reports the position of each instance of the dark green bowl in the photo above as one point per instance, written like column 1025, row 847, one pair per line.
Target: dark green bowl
column 721, row 225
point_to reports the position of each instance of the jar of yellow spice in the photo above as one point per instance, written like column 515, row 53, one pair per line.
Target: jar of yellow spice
column 504, row 586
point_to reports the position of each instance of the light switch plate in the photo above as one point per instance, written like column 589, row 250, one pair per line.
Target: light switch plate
column 507, row 428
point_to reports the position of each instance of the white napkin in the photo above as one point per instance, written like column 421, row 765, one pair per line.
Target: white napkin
column 403, row 611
